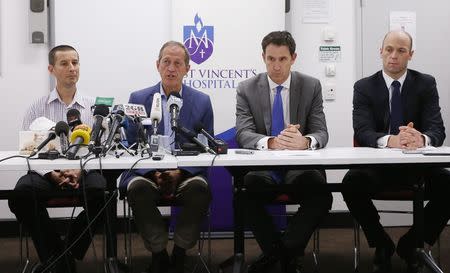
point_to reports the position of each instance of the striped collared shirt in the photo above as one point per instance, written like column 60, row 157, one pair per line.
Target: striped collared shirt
column 53, row 108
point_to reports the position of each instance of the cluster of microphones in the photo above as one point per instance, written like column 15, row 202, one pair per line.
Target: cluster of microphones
column 108, row 131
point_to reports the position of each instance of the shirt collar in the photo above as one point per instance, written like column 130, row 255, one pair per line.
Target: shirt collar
column 77, row 99
column 161, row 91
column 286, row 84
column 389, row 80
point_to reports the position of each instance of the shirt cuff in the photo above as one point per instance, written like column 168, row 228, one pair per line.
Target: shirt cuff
column 427, row 141
column 313, row 144
column 43, row 172
column 382, row 142
column 263, row 143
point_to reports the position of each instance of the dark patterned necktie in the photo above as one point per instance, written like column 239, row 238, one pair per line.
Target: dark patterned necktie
column 396, row 108
column 277, row 113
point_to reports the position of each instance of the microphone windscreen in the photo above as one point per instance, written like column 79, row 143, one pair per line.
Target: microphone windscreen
column 62, row 128
column 174, row 99
column 83, row 127
column 80, row 133
column 156, row 111
column 101, row 110
column 73, row 114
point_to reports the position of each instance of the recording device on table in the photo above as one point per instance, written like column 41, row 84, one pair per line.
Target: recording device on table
column 218, row 145
column 193, row 137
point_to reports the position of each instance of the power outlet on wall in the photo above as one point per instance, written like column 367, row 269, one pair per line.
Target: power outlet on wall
column 329, row 91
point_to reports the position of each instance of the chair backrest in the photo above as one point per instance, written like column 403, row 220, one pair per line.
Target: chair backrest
column 61, row 202
column 394, row 194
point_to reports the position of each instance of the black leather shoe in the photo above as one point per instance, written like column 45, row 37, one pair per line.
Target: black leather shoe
column 291, row 265
column 64, row 264
column 178, row 258
column 262, row 264
column 413, row 268
column 160, row 262
column 382, row 258
column 406, row 249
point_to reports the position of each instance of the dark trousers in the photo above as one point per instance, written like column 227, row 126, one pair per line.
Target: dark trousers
column 31, row 211
column 314, row 205
column 361, row 184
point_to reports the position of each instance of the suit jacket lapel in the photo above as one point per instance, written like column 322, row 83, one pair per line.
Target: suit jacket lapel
column 295, row 90
column 382, row 92
column 407, row 85
column 186, row 109
column 263, row 95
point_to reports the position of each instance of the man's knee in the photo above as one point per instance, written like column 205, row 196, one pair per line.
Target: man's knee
column 196, row 191
column 94, row 181
column 140, row 189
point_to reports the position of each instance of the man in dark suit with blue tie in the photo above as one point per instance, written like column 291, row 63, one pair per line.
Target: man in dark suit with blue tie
column 282, row 110
column 397, row 108
column 145, row 188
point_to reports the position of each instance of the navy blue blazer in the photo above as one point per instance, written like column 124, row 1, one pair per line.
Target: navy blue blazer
column 196, row 109
column 420, row 101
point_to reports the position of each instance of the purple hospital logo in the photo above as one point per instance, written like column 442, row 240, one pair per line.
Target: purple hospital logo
column 199, row 40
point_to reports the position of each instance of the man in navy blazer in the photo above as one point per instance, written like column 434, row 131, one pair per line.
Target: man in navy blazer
column 397, row 108
column 144, row 188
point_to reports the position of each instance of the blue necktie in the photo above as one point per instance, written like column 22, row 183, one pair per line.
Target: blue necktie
column 277, row 113
column 277, row 126
column 396, row 108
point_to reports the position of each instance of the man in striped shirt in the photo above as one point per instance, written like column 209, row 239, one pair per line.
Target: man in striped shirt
column 31, row 212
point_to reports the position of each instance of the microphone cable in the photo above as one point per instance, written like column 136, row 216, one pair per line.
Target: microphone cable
column 103, row 208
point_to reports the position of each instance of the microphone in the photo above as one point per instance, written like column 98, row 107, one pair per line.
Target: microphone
column 174, row 104
column 62, row 130
column 117, row 118
column 79, row 136
column 191, row 136
column 73, row 118
column 219, row 146
column 100, row 112
column 156, row 112
column 51, row 136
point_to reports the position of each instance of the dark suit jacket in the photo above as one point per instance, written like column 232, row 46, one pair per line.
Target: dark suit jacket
column 254, row 115
column 196, row 109
column 420, row 101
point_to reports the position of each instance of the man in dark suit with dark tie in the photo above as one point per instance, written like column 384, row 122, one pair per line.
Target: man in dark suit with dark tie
column 188, row 186
column 397, row 108
column 282, row 110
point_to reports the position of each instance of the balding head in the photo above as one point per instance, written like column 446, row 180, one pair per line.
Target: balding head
column 398, row 33
column 396, row 52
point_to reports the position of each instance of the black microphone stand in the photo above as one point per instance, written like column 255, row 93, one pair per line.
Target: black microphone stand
column 118, row 145
column 143, row 145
